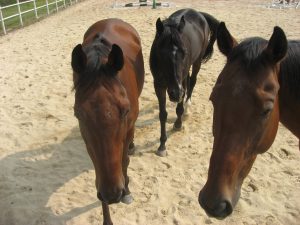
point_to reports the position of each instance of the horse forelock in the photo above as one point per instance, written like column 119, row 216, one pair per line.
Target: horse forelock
column 170, row 34
column 96, row 53
column 249, row 52
column 244, row 63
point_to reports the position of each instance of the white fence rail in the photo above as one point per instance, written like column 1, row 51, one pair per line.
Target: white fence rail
column 20, row 13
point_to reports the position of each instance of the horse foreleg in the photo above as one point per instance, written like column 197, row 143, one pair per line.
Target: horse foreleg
column 106, row 214
column 180, row 108
column 179, row 112
column 195, row 70
column 163, row 115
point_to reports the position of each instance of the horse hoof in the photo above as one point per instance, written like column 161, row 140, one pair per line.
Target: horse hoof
column 127, row 199
column 107, row 223
column 161, row 153
column 177, row 127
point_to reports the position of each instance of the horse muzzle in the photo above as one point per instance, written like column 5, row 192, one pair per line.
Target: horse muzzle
column 218, row 208
column 111, row 196
column 175, row 94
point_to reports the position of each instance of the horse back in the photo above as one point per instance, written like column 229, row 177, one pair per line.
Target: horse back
column 196, row 31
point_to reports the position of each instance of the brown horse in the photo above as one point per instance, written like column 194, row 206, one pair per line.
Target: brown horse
column 108, row 74
column 248, row 106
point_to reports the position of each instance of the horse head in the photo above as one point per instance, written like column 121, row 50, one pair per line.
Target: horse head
column 171, row 56
column 246, row 115
column 101, row 107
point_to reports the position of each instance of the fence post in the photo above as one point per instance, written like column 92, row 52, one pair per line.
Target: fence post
column 154, row 4
column 20, row 14
column 35, row 10
column 56, row 5
column 64, row 3
column 2, row 21
column 47, row 5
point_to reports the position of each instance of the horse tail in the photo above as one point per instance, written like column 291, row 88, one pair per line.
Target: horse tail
column 213, row 24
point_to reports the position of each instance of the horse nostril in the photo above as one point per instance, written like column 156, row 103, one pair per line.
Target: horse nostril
column 200, row 199
column 223, row 209
column 219, row 209
column 173, row 92
column 99, row 196
column 229, row 208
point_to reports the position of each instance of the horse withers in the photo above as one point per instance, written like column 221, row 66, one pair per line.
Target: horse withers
column 108, row 74
column 258, row 87
column 183, row 40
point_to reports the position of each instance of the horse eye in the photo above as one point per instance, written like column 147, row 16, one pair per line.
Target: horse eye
column 267, row 109
column 124, row 113
column 266, row 112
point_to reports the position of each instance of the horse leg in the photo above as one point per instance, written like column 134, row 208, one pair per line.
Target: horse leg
column 179, row 108
column 106, row 214
column 161, row 96
column 195, row 69
column 127, row 198
column 179, row 112
column 187, row 103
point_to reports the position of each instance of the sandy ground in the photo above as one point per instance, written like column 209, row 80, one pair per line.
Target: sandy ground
column 46, row 176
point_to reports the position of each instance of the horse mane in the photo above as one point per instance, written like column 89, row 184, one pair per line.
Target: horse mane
column 289, row 76
column 96, row 52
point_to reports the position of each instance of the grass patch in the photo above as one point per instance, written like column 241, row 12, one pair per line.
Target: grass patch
column 28, row 17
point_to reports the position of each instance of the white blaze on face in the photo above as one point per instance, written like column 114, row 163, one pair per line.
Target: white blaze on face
column 174, row 50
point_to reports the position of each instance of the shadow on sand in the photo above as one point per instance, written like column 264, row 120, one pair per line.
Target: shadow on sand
column 29, row 178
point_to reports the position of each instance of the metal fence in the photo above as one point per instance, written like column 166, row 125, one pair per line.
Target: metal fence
column 20, row 13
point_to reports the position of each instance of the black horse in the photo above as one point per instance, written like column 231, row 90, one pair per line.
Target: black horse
column 183, row 40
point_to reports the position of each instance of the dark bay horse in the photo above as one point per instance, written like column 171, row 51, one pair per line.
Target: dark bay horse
column 108, row 74
column 183, row 40
column 258, row 87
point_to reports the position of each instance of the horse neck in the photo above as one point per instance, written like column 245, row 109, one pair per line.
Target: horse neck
column 128, row 78
column 289, row 112
column 289, row 96
column 136, row 67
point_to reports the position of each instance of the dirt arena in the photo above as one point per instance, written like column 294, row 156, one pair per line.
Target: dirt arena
column 46, row 176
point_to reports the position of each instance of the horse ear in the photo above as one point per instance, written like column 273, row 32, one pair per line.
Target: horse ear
column 181, row 24
column 115, row 58
column 277, row 46
column 159, row 26
column 78, row 59
column 224, row 39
